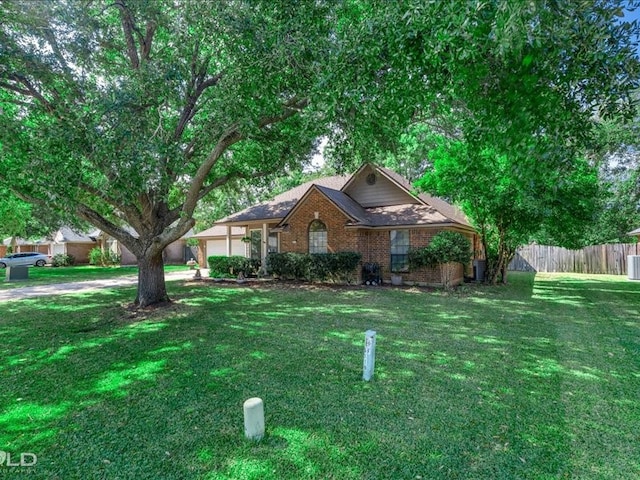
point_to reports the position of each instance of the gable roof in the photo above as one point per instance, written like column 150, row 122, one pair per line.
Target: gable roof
column 69, row 235
column 278, row 208
column 451, row 212
column 634, row 232
column 421, row 209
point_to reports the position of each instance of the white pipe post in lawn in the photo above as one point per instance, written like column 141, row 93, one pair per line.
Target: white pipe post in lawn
column 369, row 354
column 254, row 418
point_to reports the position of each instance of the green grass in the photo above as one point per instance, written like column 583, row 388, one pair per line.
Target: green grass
column 536, row 380
column 50, row 275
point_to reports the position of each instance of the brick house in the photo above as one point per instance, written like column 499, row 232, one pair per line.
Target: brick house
column 373, row 212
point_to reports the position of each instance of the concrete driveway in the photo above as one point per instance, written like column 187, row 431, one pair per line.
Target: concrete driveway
column 20, row 293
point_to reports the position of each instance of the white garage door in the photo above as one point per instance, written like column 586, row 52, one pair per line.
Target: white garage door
column 219, row 247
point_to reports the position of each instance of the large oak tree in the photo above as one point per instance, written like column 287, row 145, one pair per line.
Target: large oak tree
column 127, row 113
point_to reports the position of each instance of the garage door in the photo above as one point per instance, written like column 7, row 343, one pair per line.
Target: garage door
column 219, row 247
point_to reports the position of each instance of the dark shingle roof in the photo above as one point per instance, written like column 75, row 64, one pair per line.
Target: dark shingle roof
column 282, row 204
column 449, row 211
column 433, row 210
column 345, row 203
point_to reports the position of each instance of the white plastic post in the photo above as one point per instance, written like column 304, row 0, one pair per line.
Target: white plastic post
column 254, row 418
column 369, row 354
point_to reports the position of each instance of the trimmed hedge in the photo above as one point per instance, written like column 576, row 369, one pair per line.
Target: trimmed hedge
column 314, row 267
column 223, row 266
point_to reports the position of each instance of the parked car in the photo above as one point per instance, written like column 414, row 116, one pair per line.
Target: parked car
column 25, row 258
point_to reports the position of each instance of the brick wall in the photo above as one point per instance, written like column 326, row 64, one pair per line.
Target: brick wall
column 80, row 252
column 296, row 239
column 374, row 245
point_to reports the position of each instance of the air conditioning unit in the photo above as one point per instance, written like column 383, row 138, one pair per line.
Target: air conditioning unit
column 633, row 267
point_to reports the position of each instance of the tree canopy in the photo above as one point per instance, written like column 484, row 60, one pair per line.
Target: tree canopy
column 137, row 109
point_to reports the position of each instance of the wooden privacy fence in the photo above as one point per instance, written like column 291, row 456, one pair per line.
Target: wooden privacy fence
column 610, row 259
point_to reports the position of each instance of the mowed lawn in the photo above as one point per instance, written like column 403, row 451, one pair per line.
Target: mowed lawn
column 539, row 379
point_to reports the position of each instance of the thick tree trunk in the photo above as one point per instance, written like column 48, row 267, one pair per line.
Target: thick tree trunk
column 151, row 285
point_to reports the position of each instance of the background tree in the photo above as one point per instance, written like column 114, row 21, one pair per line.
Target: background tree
column 509, row 199
column 511, row 98
column 22, row 220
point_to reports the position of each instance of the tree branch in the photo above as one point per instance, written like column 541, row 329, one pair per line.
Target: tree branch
column 94, row 218
column 128, row 27
column 189, row 109
column 30, row 90
column 292, row 107
column 145, row 43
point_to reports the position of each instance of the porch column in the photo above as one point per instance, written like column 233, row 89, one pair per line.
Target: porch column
column 228, row 240
column 265, row 241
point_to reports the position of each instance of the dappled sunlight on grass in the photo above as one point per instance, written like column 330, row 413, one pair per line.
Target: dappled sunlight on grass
column 505, row 382
column 115, row 381
column 30, row 420
column 285, row 452
column 34, row 359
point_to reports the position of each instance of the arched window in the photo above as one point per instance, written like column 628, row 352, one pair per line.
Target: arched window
column 317, row 237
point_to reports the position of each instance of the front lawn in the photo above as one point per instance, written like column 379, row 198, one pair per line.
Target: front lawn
column 51, row 275
column 539, row 379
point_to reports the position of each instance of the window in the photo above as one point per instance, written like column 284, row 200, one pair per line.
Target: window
column 272, row 246
column 317, row 237
column 399, row 250
column 255, row 251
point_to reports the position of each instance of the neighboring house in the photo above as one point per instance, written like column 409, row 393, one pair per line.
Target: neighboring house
column 175, row 252
column 21, row 245
column 636, row 232
column 69, row 242
column 374, row 212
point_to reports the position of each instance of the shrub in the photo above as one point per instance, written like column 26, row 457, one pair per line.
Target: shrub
column 288, row 265
column 445, row 250
column 103, row 258
column 221, row 266
column 421, row 257
column 450, row 247
column 62, row 260
column 302, row 266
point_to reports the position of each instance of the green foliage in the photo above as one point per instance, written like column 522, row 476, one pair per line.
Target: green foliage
column 445, row 249
column 338, row 266
column 421, row 257
column 509, row 198
column 518, row 75
column 103, row 258
column 63, row 260
column 449, row 247
column 223, row 266
column 288, row 265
